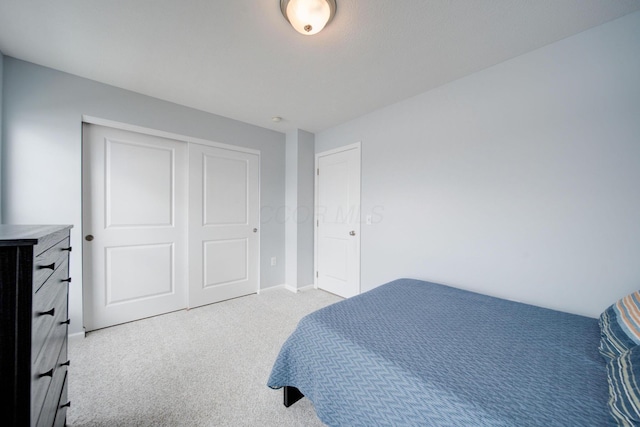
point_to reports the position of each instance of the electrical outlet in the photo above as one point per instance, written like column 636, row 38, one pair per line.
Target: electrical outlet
column 273, row 261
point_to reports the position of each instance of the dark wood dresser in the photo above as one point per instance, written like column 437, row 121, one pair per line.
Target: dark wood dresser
column 34, row 279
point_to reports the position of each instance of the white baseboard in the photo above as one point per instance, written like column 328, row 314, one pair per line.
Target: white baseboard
column 77, row 336
column 291, row 289
column 271, row 288
column 288, row 288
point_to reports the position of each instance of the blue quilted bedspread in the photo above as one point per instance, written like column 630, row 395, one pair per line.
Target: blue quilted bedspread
column 414, row 353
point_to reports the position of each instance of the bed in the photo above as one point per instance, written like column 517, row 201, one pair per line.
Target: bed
column 415, row 353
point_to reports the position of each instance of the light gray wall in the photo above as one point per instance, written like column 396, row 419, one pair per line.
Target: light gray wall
column 299, row 208
column 291, row 202
column 305, row 207
column 520, row 181
column 41, row 162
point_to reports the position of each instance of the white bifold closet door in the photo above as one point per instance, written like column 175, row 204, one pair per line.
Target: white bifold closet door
column 164, row 231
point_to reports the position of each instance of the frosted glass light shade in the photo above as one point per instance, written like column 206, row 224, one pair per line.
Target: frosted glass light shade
column 308, row 17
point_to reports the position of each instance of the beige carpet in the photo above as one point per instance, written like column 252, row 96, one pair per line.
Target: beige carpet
column 203, row 367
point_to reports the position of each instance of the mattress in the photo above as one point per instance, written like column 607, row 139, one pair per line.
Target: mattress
column 415, row 353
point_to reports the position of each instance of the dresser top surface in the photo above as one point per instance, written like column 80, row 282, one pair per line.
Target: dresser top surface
column 12, row 235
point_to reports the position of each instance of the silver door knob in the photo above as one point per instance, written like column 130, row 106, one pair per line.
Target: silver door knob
column 255, row 230
column 88, row 237
column 352, row 233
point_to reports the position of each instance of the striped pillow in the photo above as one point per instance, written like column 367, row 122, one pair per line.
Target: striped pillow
column 624, row 395
column 620, row 326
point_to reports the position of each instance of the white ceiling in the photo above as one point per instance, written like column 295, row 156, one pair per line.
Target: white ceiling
column 241, row 59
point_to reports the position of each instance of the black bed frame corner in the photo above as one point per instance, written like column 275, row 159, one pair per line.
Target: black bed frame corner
column 291, row 395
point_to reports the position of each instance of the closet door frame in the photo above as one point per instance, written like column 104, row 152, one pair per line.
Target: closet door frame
column 188, row 140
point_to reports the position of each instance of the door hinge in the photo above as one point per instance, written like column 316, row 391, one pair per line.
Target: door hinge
column 317, row 223
column 318, row 171
column 317, row 274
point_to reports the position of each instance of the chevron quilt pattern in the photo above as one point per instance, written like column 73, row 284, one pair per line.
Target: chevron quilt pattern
column 415, row 353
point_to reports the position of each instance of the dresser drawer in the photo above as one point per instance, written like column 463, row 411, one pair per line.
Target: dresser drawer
column 52, row 400
column 63, row 404
column 46, row 242
column 48, row 261
column 47, row 364
column 50, row 298
column 33, row 343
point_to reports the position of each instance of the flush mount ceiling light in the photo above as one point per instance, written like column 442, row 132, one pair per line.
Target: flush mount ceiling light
column 308, row 17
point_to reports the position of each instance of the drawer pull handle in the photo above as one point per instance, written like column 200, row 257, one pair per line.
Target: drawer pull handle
column 51, row 266
column 65, row 405
column 51, row 312
column 68, row 280
column 67, row 249
column 66, row 322
column 49, row 373
column 67, row 363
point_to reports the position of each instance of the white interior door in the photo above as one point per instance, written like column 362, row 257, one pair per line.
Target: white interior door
column 223, row 224
column 135, row 193
column 338, row 221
